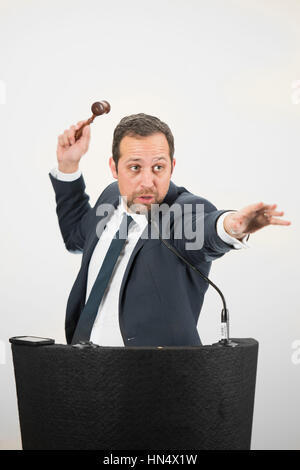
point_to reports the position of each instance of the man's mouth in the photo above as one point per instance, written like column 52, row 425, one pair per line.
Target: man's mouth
column 146, row 198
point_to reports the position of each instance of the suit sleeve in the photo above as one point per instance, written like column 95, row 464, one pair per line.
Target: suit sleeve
column 212, row 246
column 73, row 211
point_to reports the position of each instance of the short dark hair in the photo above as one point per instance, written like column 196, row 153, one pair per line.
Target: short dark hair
column 140, row 125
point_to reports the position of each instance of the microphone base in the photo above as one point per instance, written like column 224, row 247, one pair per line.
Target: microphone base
column 228, row 343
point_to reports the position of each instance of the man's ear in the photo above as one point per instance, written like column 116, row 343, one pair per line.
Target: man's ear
column 173, row 165
column 113, row 169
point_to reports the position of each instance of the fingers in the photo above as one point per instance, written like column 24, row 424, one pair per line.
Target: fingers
column 259, row 215
column 274, row 221
column 79, row 123
column 277, row 213
column 254, row 207
column 272, row 215
column 259, row 207
column 268, row 214
column 71, row 135
column 85, row 139
column 61, row 141
column 68, row 137
column 86, row 131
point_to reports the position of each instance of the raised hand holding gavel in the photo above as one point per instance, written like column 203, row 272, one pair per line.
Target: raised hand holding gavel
column 74, row 142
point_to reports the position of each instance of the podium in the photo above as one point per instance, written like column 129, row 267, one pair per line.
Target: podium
column 132, row 398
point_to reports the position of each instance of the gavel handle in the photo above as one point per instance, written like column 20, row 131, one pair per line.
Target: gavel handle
column 78, row 133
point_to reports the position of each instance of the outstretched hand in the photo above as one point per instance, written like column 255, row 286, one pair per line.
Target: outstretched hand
column 252, row 218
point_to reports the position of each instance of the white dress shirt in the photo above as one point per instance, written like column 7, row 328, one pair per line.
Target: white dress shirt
column 106, row 329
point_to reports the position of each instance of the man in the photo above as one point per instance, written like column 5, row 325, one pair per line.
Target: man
column 136, row 292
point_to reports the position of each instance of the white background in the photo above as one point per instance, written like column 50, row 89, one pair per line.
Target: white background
column 220, row 73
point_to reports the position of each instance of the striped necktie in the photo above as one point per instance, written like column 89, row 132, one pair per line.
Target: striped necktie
column 90, row 310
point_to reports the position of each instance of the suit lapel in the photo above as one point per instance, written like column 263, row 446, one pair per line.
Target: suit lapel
column 94, row 238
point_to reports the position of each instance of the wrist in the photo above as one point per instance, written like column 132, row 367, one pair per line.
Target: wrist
column 231, row 228
column 68, row 168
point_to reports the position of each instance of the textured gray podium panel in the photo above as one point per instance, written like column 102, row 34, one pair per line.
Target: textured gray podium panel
column 131, row 398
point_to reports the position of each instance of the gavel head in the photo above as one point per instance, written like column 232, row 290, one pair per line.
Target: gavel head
column 100, row 107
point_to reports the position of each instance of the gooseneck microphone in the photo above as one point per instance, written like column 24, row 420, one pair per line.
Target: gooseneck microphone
column 225, row 339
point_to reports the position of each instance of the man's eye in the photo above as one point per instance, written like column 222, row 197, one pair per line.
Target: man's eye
column 134, row 166
column 158, row 166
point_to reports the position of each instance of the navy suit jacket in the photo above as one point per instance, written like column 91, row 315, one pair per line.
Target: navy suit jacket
column 160, row 297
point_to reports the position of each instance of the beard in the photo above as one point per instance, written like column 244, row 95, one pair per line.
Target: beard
column 142, row 207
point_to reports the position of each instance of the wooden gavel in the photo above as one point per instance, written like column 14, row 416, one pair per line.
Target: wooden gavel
column 98, row 108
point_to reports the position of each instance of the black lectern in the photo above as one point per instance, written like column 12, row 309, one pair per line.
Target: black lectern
column 131, row 398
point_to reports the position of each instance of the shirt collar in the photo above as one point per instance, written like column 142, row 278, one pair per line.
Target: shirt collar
column 140, row 219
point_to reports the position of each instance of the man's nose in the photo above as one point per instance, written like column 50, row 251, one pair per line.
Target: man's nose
column 147, row 179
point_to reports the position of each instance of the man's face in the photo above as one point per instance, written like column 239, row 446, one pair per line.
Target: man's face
column 144, row 170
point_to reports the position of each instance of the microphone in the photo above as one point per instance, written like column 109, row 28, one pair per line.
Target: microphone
column 225, row 339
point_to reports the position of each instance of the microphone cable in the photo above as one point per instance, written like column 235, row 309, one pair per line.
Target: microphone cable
column 225, row 339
